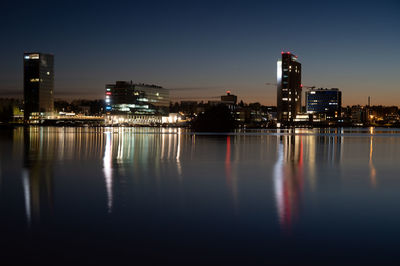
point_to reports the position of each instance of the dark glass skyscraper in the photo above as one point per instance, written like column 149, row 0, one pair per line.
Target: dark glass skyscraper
column 38, row 85
column 289, row 87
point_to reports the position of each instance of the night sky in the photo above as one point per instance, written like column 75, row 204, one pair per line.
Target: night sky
column 206, row 47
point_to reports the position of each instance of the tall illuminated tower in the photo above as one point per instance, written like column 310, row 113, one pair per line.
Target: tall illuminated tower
column 38, row 85
column 288, row 87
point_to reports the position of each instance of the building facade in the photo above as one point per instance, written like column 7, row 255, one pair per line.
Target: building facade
column 135, row 103
column 288, row 87
column 324, row 103
column 38, row 85
column 229, row 100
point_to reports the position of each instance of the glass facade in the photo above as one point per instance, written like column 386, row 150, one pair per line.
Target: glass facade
column 38, row 85
column 288, row 87
column 326, row 102
column 136, row 99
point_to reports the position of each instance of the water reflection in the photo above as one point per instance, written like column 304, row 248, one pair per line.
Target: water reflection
column 371, row 163
column 288, row 179
column 107, row 169
column 37, row 175
column 134, row 155
column 125, row 161
column 230, row 172
column 297, row 166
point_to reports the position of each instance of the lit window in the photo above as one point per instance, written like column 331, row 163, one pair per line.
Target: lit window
column 32, row 56
column 34, row 80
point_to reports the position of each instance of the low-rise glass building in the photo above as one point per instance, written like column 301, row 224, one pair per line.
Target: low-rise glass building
column 136, row 103
column 324, row 103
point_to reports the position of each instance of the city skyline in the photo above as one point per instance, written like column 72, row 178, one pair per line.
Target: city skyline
column 207, row 48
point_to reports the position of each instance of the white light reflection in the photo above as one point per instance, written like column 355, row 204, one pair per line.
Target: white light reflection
column 27, row 195
column 107, row 169
column 178, row 154
column 278, row 183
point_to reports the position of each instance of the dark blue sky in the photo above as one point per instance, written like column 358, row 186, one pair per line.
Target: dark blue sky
column 206, row 46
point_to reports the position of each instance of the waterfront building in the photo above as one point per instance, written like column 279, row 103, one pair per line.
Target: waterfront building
column 324, row 103
column 136, row 103
column 188, row 107
column 38, row 85
column 288, row 87
column 359, row 114
column 11, row 110
column 229, row 100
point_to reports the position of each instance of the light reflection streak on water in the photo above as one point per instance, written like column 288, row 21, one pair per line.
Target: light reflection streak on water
column 371, row 163
column 162, row 143
column 228, row 161
column 178, row 155
column 311, row 152
column 230, row 173
column 278, row 183
column 27, row 195
column 288, row 179
column 107, row 169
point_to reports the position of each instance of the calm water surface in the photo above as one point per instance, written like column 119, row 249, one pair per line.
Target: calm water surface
column 165, row 196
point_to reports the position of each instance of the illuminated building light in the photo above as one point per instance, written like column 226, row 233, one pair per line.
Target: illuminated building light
column 32, row 56
column 279, row 71
column 34, row 80
column 108, row 93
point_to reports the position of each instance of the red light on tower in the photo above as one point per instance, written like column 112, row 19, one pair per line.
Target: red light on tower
column 301, row 85
column 288, row 52
column 228, row 92
column 282, row 52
